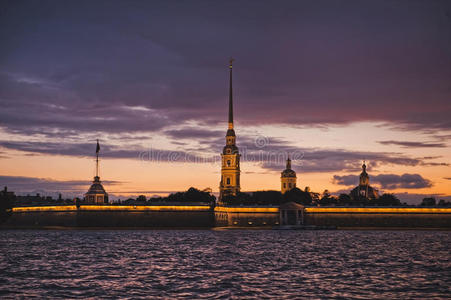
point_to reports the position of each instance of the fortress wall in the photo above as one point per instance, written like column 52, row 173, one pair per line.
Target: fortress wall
column 204, row 216
column 41, row 219
column 412, row 220
column 378, row 217
column 246, row 216
column 145, row 219
column 338, row 216
column 110, row 216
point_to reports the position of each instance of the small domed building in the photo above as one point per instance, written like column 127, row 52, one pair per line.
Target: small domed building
column 364, row 189
column 288, row 178
column 96, row 193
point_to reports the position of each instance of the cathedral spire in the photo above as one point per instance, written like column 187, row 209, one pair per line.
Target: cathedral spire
column 231, row 97
column 230, row 171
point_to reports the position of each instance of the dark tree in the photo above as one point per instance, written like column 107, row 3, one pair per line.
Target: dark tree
column 443, row 203
column 298, row 196
column 327, row 199
column 191, row 195
column 428, row 201
column 6, row 204
column 141, row 198
column 266, row 198
column 344, row 199
column 238, row 199
column 388, row 200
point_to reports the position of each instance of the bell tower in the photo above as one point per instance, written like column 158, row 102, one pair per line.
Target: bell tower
column 287, row 178
column 364, row 181
column 364, row 178
column 230, row 157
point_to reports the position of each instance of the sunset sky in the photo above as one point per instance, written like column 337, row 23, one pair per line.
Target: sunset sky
column 332, row 83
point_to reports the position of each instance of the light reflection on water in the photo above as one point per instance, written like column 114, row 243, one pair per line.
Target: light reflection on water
column 223, row 264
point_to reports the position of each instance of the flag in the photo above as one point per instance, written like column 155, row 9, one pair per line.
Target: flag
column 98, row 147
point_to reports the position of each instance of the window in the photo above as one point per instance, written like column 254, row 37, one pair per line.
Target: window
column 284, row 185
column 289, row 185
column 228, row 180
column 228, row 163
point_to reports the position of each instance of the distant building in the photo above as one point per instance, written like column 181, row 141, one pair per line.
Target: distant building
column 6, row 194
column 230, row 157
column 96, row 193
column 364, row 189
column 288, row 178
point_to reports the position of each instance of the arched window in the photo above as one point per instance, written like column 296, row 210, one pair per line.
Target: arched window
column 228, row 180
column 289, row 185
column 284, row 185
column 228, row 163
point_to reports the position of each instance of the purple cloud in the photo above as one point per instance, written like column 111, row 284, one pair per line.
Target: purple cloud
column 25, row 184
column 387, row 181
column 97, row 68
column 270, row 154
column 406, row 144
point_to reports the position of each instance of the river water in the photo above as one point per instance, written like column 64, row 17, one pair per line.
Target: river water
column 196, row 264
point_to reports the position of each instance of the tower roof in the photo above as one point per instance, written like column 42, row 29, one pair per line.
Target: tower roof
column 364, row 173
column 96, row 187
column 288, row 172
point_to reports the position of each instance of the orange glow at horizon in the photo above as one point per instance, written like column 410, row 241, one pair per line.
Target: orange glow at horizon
column 135, row 176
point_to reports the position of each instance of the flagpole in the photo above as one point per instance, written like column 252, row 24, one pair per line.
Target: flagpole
column 97, row 160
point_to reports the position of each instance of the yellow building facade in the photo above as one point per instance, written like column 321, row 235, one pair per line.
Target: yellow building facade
column 287, row 178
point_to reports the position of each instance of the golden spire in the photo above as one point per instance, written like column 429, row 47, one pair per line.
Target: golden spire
column 231, row 97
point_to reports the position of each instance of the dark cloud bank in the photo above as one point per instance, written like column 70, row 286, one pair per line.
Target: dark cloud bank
column 269, row 153
column 122, row 66
column 387, row 181
column 406, row 144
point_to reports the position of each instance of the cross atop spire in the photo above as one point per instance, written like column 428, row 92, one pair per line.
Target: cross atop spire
column 288, row 162
column 231, row 97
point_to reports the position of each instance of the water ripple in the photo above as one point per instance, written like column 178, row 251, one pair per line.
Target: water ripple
column 187, row 264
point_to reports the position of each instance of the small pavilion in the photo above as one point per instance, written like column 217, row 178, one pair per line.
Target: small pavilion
column 291, row 213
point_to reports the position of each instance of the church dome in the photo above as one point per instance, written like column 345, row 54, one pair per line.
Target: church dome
column 364, row 189
column 288, row 172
